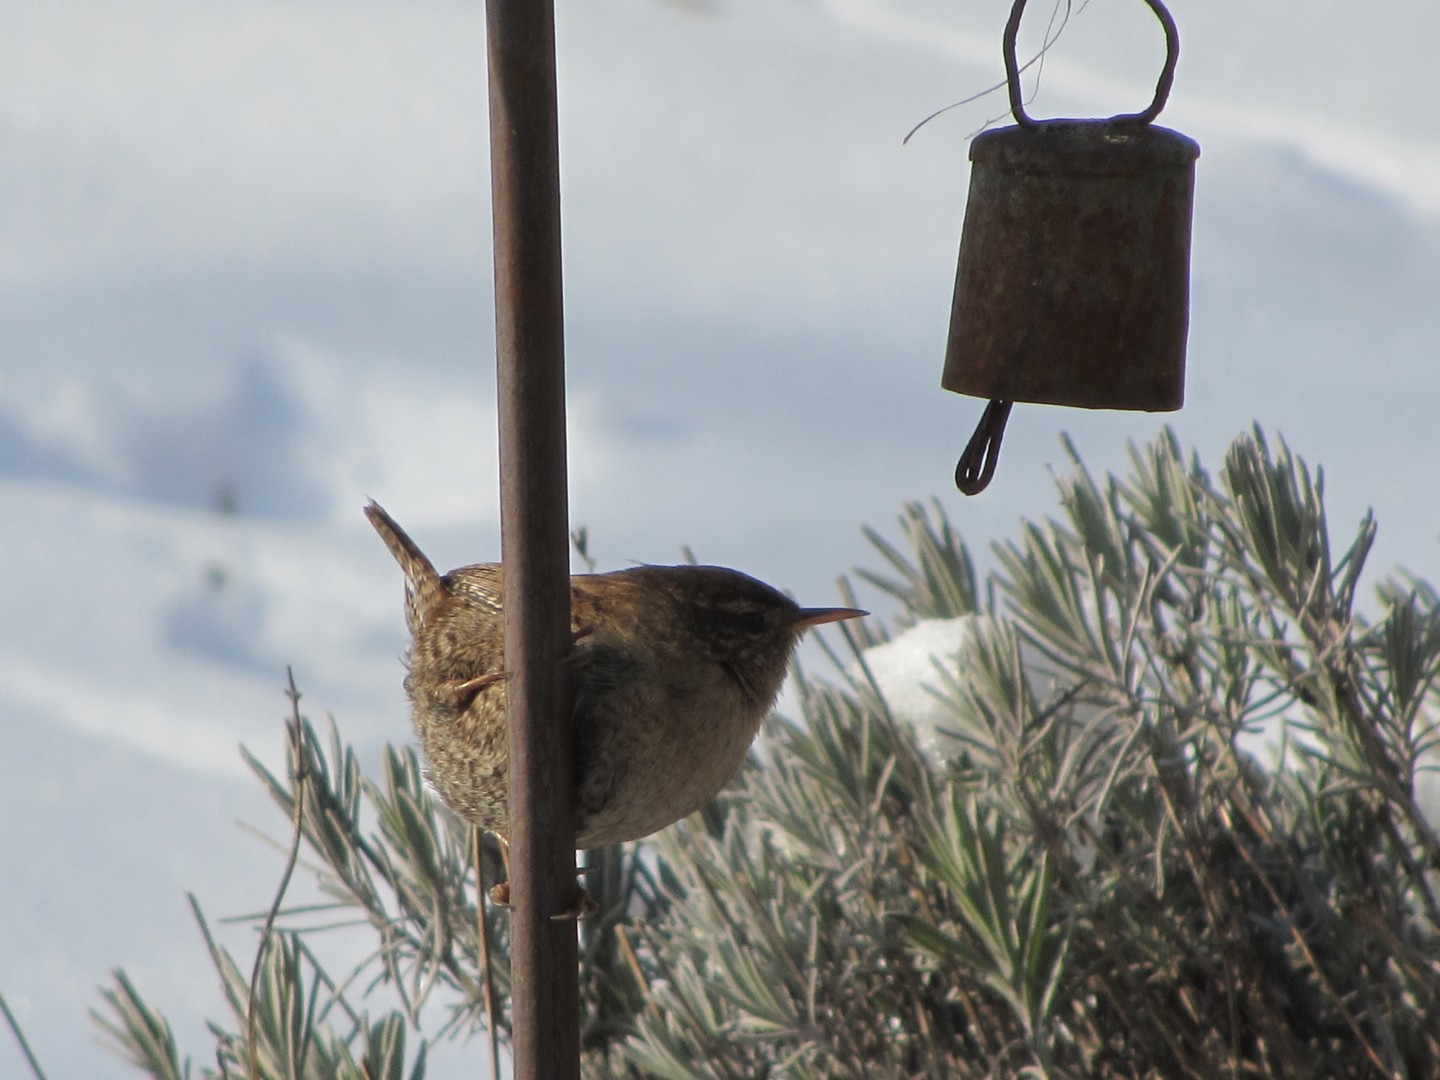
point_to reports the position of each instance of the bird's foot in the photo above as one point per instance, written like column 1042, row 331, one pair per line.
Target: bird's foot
column 582, row 907
column 578, row 635
column 461, row 694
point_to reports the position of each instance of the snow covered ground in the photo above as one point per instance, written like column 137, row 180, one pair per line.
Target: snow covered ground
column 244, row 284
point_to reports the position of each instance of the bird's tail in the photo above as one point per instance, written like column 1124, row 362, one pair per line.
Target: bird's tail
column 423, row 586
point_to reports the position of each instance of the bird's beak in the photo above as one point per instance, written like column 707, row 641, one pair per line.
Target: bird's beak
column 814, row 616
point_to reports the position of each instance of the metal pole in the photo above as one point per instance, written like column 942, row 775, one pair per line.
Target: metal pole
column 530, row 361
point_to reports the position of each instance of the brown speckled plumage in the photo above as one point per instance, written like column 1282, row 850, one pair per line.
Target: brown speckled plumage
column 673, row 669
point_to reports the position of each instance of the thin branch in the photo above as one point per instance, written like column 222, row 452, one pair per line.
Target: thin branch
column 482, row 928
column 15, row 1029
column 299, row 779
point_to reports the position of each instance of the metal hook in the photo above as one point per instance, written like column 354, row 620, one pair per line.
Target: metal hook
column 982, row 452
column 1162, row 87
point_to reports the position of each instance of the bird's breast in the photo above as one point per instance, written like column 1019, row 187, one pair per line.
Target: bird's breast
column 657, row 747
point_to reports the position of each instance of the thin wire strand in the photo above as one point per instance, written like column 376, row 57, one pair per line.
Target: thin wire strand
column 1052, row 35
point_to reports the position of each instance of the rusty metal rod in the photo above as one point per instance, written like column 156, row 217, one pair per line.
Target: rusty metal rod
column 530, row 363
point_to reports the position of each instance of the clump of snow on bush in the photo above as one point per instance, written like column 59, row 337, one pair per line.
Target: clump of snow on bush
column 904, row 670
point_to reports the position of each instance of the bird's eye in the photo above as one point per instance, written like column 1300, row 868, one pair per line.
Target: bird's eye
column 747, row 622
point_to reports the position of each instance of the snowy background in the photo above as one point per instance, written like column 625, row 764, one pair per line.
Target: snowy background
column 244, row 284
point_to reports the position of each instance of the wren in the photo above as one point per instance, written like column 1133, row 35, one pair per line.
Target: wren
column 673, row 668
